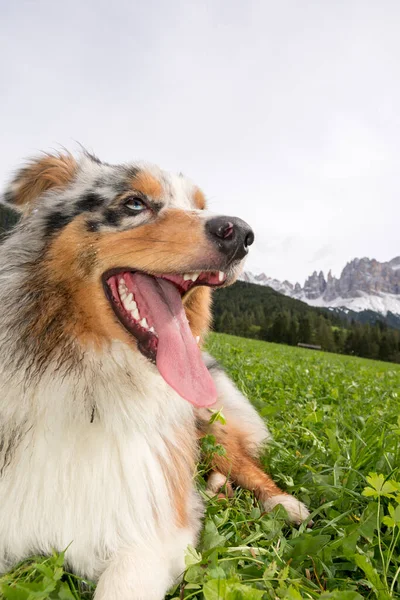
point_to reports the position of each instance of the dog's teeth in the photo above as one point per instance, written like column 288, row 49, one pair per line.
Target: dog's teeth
column 135, row 314
column 130, row 297
column 152, row 329
column 190, row 276
column 144, row 323
column 221, row 275
column 198, row 339
column 129, row 303
column 123, row 290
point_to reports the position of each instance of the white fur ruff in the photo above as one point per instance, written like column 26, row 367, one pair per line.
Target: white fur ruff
column 97, row 487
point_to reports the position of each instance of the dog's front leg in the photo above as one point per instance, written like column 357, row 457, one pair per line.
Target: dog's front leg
column 243, row 436
column 135, row 575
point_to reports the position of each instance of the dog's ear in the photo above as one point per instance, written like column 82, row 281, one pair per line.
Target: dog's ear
column 37, row 177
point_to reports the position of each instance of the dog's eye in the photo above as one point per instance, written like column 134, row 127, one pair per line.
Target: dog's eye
column 134, row 204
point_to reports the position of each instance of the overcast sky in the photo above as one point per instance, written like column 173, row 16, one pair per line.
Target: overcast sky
column 286, row 113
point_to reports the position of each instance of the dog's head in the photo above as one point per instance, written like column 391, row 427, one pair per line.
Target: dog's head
column 128, row 252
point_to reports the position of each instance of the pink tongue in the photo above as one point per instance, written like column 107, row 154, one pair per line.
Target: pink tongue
column 179, row 359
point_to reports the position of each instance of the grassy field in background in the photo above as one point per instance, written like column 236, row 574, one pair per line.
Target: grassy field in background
column 336, row 427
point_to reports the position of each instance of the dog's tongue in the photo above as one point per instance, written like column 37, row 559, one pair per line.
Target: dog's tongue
column 179, row 359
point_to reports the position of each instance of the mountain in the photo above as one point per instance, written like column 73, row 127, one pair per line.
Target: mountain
column 364, row 285
column 283, row 287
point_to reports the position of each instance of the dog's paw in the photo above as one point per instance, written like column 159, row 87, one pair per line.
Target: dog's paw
column 218, row 484
column 296, row 510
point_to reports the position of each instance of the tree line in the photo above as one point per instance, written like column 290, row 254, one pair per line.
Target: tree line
column 259, row 312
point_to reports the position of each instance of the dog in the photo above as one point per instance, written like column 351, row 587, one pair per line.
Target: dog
column 105, row 295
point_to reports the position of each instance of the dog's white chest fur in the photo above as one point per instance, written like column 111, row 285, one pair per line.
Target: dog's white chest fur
column 90, row 471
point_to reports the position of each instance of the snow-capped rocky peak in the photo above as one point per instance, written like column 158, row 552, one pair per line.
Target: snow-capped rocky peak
column 364, row 284
column 395, row 263
column 284, row 287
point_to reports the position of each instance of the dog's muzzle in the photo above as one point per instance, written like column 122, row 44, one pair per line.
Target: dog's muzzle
column 231, row 235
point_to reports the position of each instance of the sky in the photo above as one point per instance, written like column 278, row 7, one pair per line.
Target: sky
column 286, row 113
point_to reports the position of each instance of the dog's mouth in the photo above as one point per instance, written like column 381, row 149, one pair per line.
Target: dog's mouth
column 151, row 309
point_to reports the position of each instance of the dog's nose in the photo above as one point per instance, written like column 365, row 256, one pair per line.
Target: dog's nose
column 232, row 236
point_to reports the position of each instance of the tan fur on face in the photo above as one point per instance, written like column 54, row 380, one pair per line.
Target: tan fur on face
column 198, row 310
column 39, row 176
column 146, row 183
column 175, row 243
column 71, row 256
column 199, row 199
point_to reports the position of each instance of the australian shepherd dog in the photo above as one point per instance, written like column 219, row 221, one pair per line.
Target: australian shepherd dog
column 105, row 288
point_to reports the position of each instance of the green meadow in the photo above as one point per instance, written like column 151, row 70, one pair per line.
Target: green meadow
column 336, row 427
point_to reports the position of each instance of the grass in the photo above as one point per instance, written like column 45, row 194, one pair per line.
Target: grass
column 336, row 427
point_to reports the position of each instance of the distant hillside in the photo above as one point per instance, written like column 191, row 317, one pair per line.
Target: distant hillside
column 367, row 316
column 257, row 311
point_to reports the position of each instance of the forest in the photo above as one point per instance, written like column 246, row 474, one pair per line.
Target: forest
column 256, row 311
